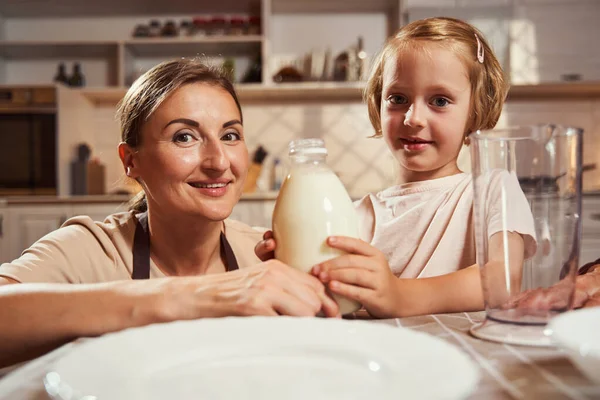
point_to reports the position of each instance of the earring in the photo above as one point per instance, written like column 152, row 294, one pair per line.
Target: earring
column 128, row 171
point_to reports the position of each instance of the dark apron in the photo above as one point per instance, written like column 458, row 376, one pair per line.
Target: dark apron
column 141, row 250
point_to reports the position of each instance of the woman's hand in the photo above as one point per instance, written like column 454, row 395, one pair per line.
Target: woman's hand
column 362, row 275
column 269, row 288
column 265, row 249
column 587, row 294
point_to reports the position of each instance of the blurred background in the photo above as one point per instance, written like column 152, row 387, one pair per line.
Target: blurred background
column 299, row 67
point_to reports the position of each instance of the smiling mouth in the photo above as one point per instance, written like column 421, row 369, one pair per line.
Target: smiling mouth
column 208, row 185
column 415, row 141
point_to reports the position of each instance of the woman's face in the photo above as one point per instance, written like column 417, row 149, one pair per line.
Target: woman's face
column 192, row 158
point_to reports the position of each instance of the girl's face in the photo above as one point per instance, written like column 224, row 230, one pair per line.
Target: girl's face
column 424, row 111
column 192, row 158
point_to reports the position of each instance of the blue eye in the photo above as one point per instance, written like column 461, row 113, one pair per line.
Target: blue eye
column 231, row 136
column 440, row 102
column 395, row 99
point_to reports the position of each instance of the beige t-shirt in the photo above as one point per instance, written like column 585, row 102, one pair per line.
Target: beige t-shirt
column 86, row 251
column 427, row 228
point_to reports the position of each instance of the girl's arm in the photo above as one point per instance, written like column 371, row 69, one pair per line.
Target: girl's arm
column 364, row 275
column 36, row 318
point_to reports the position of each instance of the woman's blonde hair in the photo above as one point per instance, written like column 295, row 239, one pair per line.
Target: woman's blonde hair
column 151, row 89
column 488, row 84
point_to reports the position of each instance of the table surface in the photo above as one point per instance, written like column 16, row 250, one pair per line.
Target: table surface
column 507, row 371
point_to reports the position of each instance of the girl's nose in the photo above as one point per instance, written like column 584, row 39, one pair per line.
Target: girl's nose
column 414, row 117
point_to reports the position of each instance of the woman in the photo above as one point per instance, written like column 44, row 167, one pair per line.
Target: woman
column 183, row 141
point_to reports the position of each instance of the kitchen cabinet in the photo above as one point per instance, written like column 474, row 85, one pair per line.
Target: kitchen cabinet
column 26, row 224
column 22, row 225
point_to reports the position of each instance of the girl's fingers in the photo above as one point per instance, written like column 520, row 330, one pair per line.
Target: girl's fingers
column 353, row 276
column 346, row 261
column 352, row 245
column 352, row 292
column 268, row 235
column 265, row 249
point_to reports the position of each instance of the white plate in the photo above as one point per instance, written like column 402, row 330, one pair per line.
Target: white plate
column 264, row 358
column 578, row 333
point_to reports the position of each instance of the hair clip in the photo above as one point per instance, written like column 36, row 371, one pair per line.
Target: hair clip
column 479, row 50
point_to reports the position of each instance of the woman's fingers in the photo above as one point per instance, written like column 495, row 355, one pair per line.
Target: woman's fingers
column 302, row 286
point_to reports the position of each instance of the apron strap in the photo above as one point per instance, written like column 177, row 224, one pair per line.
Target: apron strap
column 141, row 250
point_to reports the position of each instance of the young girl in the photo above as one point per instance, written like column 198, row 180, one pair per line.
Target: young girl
column 435, row 81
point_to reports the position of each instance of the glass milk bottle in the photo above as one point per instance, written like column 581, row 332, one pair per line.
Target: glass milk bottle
column 311, row 206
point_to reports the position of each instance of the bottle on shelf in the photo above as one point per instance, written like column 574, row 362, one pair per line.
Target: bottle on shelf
column 77, row 79
column 61, row 74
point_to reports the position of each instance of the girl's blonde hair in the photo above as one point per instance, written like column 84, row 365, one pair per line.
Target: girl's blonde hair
column 151, row 89
column 488, row 84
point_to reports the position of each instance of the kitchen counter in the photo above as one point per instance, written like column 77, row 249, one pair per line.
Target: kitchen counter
column 109, row 198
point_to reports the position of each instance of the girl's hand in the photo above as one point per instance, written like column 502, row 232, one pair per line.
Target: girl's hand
column 265, row 249
column 362, row 275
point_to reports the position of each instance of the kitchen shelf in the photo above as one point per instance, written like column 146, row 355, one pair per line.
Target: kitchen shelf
column 19, row 49
column 78, row 8
column 352, row 92
column 161, row 47
column 257, row 93
column 555, row 91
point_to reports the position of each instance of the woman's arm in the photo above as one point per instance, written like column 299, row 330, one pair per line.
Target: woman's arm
column 36, row 318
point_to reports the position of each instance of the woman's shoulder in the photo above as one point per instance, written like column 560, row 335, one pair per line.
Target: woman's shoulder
column 120, row 224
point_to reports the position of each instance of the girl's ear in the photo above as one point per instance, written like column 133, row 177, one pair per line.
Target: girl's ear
column 128, row 158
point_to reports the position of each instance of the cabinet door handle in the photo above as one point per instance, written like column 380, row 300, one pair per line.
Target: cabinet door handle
column 1, row 226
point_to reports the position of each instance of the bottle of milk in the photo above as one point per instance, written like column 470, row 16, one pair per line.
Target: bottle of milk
column 312, row 205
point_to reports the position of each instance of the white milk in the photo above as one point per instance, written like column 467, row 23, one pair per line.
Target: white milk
column 312, row 205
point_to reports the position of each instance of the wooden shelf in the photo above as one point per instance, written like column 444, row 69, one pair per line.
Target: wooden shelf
column 333, row 6
column 187, row 47
column 258, row 93
column 78, row 8
column 306, row 92
column 54, row 49
column 555, row 91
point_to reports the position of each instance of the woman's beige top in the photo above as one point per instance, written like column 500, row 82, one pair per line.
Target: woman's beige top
column 87, row 251
column 427, row 228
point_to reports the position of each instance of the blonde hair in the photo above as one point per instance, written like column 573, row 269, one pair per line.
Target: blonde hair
column 488, row 84
column 151, row 89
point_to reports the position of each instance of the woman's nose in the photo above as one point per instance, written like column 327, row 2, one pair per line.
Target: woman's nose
column 415, row 117
column 215, row 157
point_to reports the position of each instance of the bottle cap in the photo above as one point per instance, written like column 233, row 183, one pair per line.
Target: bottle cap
column 307, row 146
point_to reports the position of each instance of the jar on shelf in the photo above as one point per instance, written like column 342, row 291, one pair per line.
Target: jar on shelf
column 254, row 25
column 238, row 26
column 218, row 25
column 186, row 28
column 154, row 28
column 201, row 26
column 169, row 29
